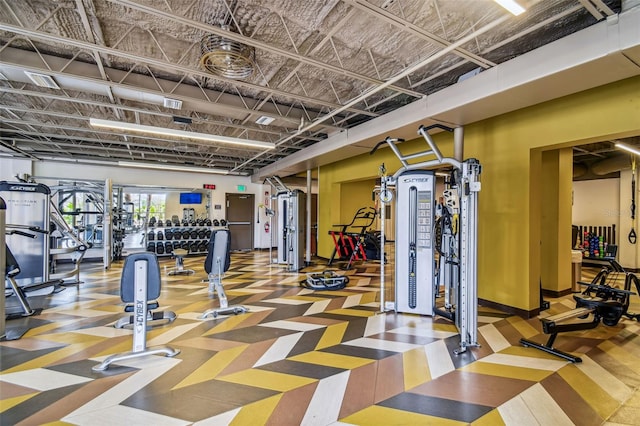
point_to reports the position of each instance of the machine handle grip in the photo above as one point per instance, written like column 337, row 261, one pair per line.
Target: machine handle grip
column 24, row 234
column 387, row 140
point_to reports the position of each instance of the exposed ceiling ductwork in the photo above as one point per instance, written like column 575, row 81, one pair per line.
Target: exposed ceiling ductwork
column 613, row 164
column 316, row 70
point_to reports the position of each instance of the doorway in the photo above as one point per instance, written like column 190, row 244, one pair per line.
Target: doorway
column 240, row 218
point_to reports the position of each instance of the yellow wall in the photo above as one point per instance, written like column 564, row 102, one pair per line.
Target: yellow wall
column 509, row 148
column 356, row 195
column 555, row 209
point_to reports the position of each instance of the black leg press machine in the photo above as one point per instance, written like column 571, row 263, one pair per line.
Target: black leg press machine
column 601, row 301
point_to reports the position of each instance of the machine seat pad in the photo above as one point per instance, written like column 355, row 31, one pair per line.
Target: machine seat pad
column 597, row 303
column 127, row 281
column 219, row 246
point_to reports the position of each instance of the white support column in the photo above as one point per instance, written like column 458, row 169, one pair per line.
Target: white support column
column 458, row 143
column 308, row 227
column 106, row 223
column 3, row 260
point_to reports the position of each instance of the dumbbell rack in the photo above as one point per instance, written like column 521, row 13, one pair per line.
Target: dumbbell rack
column 193, row 237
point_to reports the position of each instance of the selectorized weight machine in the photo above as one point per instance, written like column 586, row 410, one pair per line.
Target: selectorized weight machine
column 290, row 224
column 418, row 277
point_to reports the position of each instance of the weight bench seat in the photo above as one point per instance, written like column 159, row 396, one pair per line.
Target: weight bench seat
column 139, row 284
column 127, row 293
column 179, row 269
column 217, row 262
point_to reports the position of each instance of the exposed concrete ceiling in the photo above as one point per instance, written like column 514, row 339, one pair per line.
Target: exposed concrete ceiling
column 323, row 69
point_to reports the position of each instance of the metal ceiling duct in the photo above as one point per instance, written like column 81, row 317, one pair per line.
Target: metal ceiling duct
column 579, row 170
column 612, row 164
column 226, row 58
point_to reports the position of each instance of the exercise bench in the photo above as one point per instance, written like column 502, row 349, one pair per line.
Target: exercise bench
column 179, row 254
column 217, row 262
column 139, row 284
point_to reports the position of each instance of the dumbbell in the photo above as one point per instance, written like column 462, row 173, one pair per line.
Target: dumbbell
column 193, row 234
column 151, row 247
column 216, row 222
column 159, row 248
column 168, row 247
column 223, row 222
column 151, row 236
column 168, row 222
column 185, row 234
column 160, row 236
column 168, row 234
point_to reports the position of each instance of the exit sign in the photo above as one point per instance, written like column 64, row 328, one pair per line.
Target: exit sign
column 242, row 188
column 208, row 186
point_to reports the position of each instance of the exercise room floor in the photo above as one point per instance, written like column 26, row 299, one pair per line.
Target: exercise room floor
column 305, row 357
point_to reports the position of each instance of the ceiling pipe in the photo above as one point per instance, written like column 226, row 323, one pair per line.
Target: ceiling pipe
column 458, row 143
column 611, row 165
column 579, row 170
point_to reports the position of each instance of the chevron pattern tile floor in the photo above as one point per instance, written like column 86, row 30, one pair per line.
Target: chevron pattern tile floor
column 304, row 357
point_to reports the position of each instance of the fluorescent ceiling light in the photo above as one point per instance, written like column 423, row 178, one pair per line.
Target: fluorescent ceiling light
column 160, row 166
column 264, row 120
column 173, row 133
column 627, row 148
column 42, row 80
column 511, row 6
column 172, row 103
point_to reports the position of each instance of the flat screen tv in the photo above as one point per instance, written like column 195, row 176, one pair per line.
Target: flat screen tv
column 190, row 198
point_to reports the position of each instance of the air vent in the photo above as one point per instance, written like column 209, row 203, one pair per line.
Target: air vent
column 172, row 103
column 181, row 120
column 264, row 120
column 42, row 80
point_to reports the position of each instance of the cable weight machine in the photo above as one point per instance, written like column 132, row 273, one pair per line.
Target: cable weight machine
column 417, row 276
column 290, row 224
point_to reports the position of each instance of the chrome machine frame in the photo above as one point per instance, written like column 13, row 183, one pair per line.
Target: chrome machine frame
column 462, row 286
column 290, row 224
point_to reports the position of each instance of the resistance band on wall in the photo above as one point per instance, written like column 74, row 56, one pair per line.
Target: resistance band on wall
column 632, row 234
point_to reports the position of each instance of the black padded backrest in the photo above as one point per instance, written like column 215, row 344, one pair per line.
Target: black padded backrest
column 12, row 268
column 127, row 280
column 219, row 246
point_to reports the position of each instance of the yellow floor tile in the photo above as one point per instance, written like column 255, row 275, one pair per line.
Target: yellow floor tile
column 332, row 360
column 508, row 371
column 267, row 379
column 376, row 415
